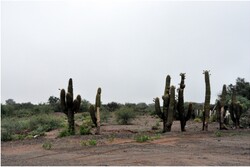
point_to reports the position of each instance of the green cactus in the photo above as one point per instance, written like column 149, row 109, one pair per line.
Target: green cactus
column 221, row 106
column 235, row 110
column 69, row 106
column 95, row 111
column 167, row 115
column 183, row 116
column 207, row 101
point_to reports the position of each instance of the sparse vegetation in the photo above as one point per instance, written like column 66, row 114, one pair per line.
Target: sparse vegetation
column 91, row 142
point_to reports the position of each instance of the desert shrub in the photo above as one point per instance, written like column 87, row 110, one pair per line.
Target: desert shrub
column 245, row 119
column 85, row 130
column 156, row 126
column 105, row 115
column 47, row 145
column 124, row 115
column 213, row 118
column 142, row 138
column 5, row 135
column 91, row 142
column 19, row 128
column 64, row 133
column 218, row 133
column 197, row 120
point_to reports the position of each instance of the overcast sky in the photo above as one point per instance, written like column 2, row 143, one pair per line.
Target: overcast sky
column 125, row 47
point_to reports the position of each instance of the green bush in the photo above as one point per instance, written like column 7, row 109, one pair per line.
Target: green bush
column 5, row 135
column 47, row 145
column 64, row 133
column 85, row 130
column 142, row 138
column 91, row 142
column 124, row 115
column 213, row 118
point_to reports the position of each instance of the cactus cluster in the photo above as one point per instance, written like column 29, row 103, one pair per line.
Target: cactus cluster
column 95, row 111
column 167, row 115
column 169, row 105
column 70, row 106
column 235, row 110
column 207, row 101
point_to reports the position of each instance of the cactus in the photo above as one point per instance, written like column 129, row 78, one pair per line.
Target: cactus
column 221, row 108
column 167, row 115
column 207, row 101
column 183, row 116
column 235, row 110
column 69, row 106
column 95, row 111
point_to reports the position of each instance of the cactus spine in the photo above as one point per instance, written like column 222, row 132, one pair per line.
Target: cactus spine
column 168, row 106
column 95, row 111
column 235, row 110
column 70, row 106
column 184, row 116
column 207, row 101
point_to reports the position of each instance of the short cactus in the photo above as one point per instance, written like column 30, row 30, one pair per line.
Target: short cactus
column 69, row 106
column 207, row 101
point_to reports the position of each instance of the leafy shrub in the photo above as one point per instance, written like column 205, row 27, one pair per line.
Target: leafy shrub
column 124, row 115
column 245, row 119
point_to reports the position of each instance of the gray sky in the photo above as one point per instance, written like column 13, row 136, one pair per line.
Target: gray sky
column 125, row 47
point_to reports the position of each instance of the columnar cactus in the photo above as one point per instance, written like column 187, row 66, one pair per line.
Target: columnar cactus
column 183, row 116
column 207, row 101
column 69, row 106
column 168, row 106
column 221, row 107
column 235, row 110
column 95, row 111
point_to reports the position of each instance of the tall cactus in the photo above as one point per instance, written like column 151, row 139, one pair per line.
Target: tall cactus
column 167, row 115
column 221, row 106
column 207, row 101
column 183, row 116
column 70, row 106
column 235, row 110
column 95, row 111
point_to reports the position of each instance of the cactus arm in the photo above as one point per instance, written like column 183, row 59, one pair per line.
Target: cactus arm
column 158, row 108
column 62, row 100
column 92, row 114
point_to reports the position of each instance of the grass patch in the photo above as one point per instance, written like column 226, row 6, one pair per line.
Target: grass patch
column 142, row 138
column 91, row 142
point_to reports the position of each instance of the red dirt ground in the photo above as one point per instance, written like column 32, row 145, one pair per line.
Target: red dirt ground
column 117, row 146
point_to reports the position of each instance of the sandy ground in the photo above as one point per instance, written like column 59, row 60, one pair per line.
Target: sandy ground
column 117, row 146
